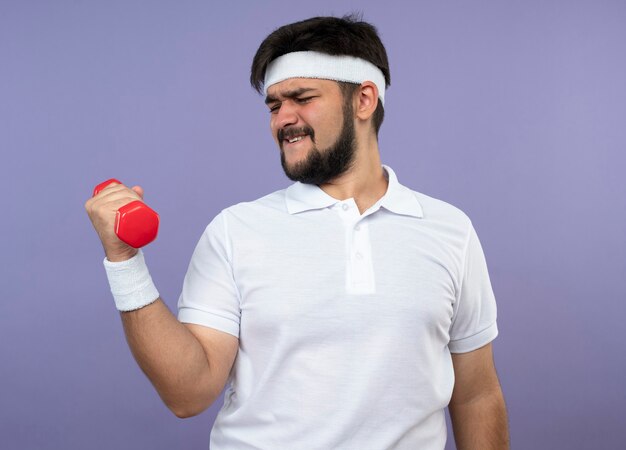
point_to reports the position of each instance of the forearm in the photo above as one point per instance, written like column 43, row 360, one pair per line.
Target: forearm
column 168, row 353
column 481, row 423
column 171, row 357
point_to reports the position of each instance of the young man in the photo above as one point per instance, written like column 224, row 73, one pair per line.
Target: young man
column 344, row 312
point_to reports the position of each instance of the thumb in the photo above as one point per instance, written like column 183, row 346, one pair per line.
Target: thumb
column 138, row 190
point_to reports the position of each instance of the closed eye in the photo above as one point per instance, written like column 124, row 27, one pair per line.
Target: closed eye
column 274, row 107
column 302, row 100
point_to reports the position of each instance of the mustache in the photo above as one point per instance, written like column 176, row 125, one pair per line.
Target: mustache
column 288, row 133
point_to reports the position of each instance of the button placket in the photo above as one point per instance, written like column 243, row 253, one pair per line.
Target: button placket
column 361, row 271
column 359, row 267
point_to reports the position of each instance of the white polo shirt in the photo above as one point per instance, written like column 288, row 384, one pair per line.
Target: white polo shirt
column 345, row 320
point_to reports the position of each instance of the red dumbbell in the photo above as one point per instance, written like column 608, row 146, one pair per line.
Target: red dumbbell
column 135, row 223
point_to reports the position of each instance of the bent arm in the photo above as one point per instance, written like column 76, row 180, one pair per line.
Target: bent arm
column 477, row 408
column 187, row 364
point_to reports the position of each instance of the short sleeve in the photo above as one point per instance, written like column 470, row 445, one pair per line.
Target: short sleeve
column 210, row 296
column 474, row 320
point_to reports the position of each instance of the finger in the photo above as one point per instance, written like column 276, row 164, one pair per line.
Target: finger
column 116, row 204
column 109, row 188
column 138, row 190
column 116, row 192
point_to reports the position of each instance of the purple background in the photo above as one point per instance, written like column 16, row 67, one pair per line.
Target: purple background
column 513, row 112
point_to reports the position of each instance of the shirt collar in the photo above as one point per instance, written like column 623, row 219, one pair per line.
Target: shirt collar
column 304, row 197
column 398, row 199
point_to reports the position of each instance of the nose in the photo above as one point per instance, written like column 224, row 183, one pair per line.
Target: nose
column 286, row 115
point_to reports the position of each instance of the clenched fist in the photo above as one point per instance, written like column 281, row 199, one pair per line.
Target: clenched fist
column 103, row 209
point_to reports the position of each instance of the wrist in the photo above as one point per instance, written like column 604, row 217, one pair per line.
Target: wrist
column 120, row 255
column 130, row 282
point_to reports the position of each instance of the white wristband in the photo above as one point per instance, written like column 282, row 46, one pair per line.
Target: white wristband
column 131, row 283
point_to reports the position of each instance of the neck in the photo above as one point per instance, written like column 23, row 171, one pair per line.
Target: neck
column 365, row 182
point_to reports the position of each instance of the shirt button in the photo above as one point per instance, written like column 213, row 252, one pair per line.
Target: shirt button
column 357, row 228
column 345, row 207
column 359, row 256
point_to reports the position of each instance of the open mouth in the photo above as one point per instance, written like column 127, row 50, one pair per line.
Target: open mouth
column 295, row 139
column 294, row 135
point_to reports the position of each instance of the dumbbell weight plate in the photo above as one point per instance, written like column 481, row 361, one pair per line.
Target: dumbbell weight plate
column 136, row 223
column 104, row 184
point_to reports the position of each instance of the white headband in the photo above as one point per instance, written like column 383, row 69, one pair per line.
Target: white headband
column 327, row 67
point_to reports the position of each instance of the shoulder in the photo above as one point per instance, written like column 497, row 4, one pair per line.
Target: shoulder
column 441, row 212
column 250, row 214
column 273, row 202
column 431, row 210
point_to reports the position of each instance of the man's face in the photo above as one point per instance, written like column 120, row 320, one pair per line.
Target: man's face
column 313, row 127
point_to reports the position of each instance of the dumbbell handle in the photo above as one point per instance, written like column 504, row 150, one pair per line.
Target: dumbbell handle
column 135, row 223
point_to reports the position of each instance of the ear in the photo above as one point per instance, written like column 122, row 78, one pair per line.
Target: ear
column 367, row 100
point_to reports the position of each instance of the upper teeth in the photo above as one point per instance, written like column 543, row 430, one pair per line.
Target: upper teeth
column 296, row 139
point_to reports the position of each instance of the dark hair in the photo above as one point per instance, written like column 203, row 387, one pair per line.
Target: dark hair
column 347, row 35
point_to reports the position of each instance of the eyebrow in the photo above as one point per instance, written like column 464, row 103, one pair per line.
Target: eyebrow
column 288, row 94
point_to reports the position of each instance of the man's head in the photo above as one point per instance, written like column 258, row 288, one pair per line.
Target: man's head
column 346, row 36
column 312, row 117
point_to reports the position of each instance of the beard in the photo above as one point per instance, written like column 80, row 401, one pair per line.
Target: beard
column 321, row 167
